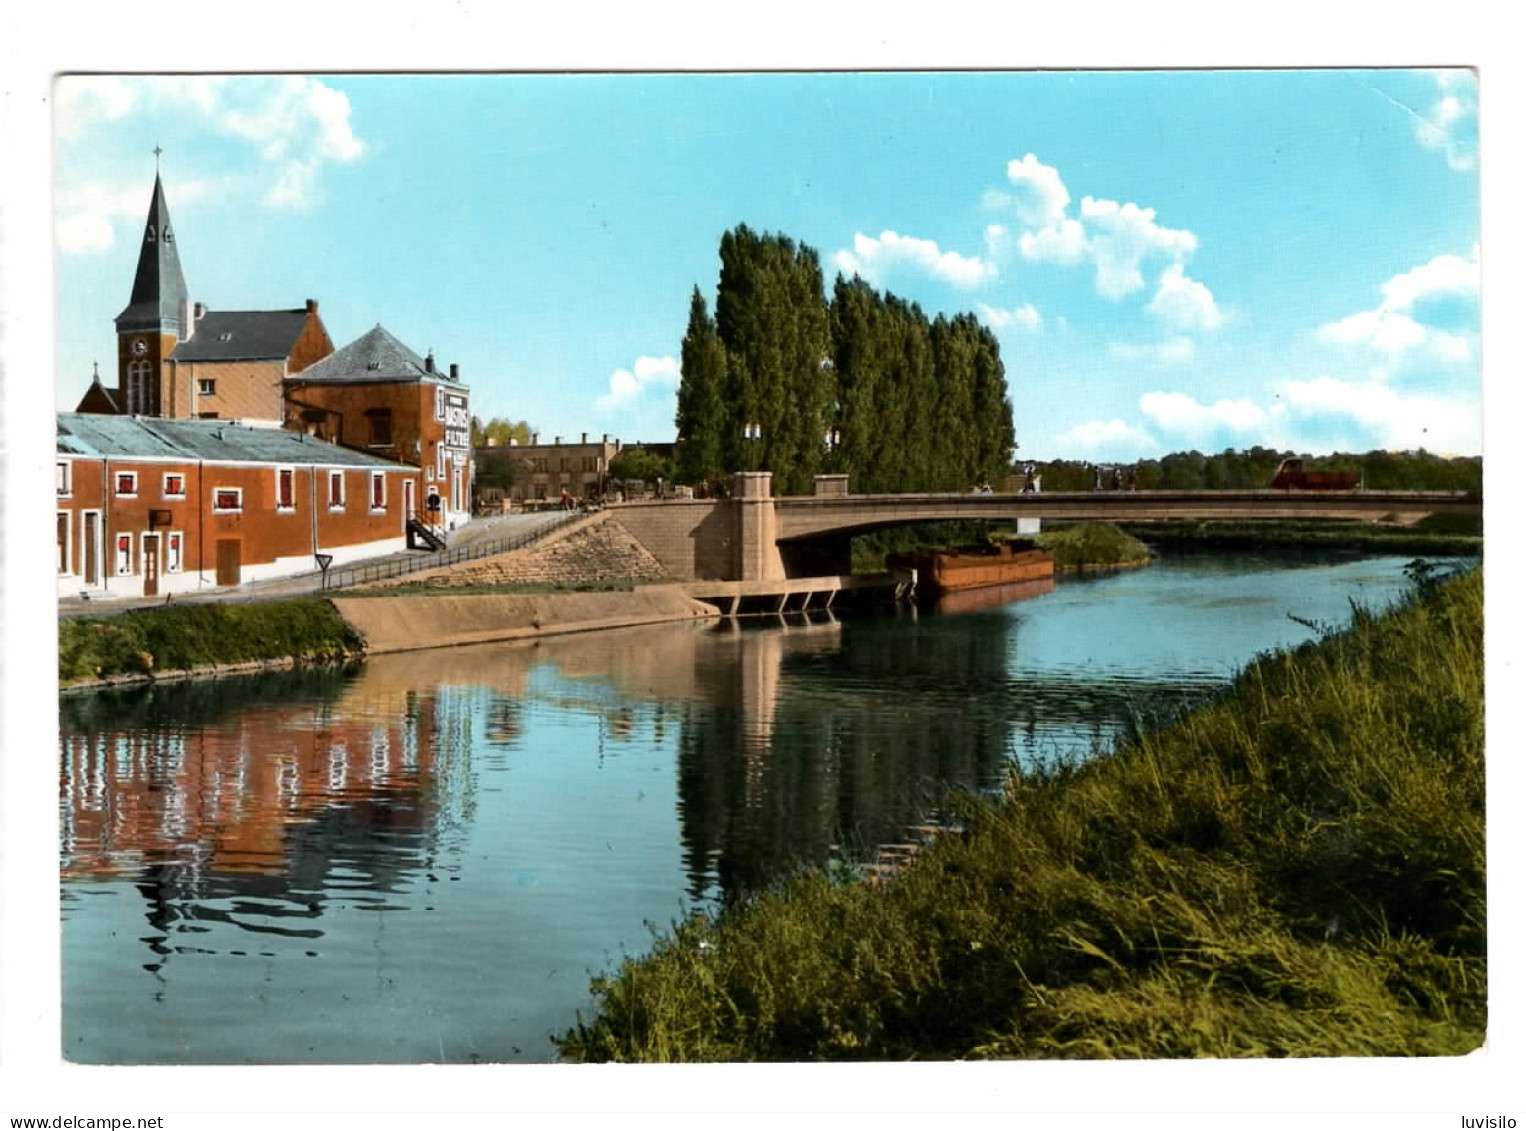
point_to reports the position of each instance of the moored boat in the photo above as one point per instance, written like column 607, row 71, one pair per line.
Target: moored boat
column 976, row 567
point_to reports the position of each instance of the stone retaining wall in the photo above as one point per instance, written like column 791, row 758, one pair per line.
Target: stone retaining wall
column 598, row 551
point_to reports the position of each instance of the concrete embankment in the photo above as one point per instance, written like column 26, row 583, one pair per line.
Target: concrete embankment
column 404, row 624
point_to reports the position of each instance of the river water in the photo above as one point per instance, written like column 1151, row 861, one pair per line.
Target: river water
column 426, row 858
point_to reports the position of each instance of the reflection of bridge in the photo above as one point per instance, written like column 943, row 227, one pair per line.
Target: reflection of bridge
column 755, row 537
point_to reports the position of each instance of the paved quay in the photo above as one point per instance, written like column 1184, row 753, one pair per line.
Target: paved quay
column 478, row 532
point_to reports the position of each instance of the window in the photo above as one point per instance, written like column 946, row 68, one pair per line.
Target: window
column 380, row 421
column 138, row 388
column 124, row 554
column 63, row 542
column 206, row 416
column 378, row 490
column 227, row 499
column 286, row 491
column 206, row 386
column 174, row 486
column 439, row 404
column 336, row 490
column 566, row 463
column 172, row 547
column 127, row 484
column 590, row 463
column 63, row 479
column 541, row 463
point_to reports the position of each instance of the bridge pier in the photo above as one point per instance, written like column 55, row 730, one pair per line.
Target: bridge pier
column 757, row 528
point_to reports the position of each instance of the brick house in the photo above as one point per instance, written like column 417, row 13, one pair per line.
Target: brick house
column 376, row 395
column 149, row 506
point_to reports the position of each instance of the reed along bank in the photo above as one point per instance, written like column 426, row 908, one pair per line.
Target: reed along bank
column 1295, row 868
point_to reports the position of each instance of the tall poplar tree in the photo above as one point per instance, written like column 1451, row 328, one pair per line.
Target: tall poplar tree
column 702, row 418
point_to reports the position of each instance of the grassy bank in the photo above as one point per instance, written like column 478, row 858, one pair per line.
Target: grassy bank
column 182, row 637
column 1092, row 545
column 1295, row 869
column 1437, row 534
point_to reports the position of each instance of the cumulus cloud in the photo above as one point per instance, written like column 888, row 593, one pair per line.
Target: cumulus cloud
column 1173, row 352
column 1395, row 329
column 1180, row 414
column 874, row 258
column 1024, row 317
column 1116, row 238
column 294, row 127
column 1451, row 123
column 1184, row 303
column 1109, row 439
column 650, row 376
column 1374, row 413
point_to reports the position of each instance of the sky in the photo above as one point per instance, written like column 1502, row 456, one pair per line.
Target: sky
column 1169, row 259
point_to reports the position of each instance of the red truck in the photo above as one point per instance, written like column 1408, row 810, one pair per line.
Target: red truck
column 1292, row 477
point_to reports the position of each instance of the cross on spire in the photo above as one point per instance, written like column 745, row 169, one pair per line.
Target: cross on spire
column 157, row 151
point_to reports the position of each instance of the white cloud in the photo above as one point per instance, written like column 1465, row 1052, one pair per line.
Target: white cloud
column 1124, row 234
column 1376, row 413
column 1451, row 125
column 1392, row 329
column 1181, row 414
column 1106, row 439
column 294, row 126
column 1443, row 276
column 85, row 217
column 79, row 101
column 1172, row 352
column 1184, row 303
column 655, row 376
column 874, row 258
column 1064, row 242
column 1025, row 317
column 1041, row 197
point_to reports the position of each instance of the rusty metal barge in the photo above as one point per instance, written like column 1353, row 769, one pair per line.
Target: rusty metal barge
column 942, row 572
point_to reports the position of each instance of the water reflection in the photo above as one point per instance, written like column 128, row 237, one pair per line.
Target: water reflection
column 425, row 858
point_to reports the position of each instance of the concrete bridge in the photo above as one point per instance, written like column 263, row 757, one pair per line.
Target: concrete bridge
column 755, row 537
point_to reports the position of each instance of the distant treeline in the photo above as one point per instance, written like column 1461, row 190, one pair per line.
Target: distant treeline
column 1253, row 469
column 783, row 380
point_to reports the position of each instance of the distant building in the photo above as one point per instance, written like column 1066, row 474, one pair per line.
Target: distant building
column 518, row 473
column 148, row 507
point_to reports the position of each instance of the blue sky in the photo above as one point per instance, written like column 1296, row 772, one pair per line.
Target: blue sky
column 1169, row 259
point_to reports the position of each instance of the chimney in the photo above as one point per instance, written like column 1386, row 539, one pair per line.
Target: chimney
column 534, row 438
column 187, row 321
column 312, row 306
column 585, row 437
column 606, row 437
column 455, row 372
column 429, row 362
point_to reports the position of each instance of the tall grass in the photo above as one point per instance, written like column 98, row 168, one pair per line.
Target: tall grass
column 1091, row 544
column 1295, row 869
column 182, row 637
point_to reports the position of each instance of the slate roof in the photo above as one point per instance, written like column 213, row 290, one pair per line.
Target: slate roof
column 129, row 437
column 374, row 356
column 158, row 287
column 251, row 335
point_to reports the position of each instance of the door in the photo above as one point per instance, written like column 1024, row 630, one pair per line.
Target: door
column 407, row 500
column 92, row 549
column 150, row 565
column 228, row 561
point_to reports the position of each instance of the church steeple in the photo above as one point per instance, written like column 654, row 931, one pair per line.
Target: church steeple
column 159, row 294
column 156, row 317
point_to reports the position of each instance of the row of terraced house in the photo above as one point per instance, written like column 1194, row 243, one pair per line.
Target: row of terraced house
column 240, row 445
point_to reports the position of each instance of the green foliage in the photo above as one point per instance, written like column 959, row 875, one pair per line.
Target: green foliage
column 701, row 418
column 1092, row 544
column 500, row 431
column 1253, row 470
column 1456, row 535
column 181, row 637
column 638, row 463
column 871, row 550
column 1294, row 869
column 908, row 404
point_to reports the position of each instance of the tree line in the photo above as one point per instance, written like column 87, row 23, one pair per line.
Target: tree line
column 1253, row 469
column 782, row 379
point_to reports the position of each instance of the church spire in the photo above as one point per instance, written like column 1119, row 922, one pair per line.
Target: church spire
column 159, row 294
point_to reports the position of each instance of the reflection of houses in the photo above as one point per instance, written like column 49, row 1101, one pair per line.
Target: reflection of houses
column 147, row 506
column 239, row 788
column 178, row 361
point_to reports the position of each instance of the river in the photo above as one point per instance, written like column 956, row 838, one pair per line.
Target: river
column 426, row 858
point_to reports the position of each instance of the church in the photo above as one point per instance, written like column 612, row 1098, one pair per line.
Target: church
column 197, row 386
